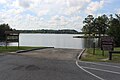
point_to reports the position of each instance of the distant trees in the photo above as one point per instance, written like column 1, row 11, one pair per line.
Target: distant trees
column 3, row 28
column 103, row 25
column 64, row 31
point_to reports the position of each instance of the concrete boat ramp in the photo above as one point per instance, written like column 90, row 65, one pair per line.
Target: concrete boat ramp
column 54, row 53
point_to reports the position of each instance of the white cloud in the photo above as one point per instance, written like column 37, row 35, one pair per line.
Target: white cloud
column 55, row 20
column 77, row 2
column 58, row 21
column 76, row 18
column 75, row 6
column 94, row 6
column 3, row 1
column 24, row 3
column 42, row 12
column 72, row 10
column 38, row 14
column 36, row 1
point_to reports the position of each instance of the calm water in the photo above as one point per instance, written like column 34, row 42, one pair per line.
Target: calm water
column 51, row 40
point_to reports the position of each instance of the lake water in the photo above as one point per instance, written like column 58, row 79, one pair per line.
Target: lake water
column 51, row 40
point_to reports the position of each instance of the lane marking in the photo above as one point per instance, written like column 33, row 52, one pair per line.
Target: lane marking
column 85, row 69
column 102, row 70
column 89, row 72
column 100, row 64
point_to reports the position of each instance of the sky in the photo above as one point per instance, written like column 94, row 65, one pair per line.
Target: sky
column 53, row 14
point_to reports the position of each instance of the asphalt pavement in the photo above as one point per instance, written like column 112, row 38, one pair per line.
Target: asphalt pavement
column 34, row 67
column 102, row 70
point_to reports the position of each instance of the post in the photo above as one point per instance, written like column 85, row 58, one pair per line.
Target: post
column 93, row 43
column 93, row 48
column 110, row 55
column 18, row 41
column 102, row 52
column 6, row 41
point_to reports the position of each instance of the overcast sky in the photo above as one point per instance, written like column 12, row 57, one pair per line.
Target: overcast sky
column 53, row 14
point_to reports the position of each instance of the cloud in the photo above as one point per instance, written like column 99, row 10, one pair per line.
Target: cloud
column 58, row 21
column 48, row 14
column 36, row 1
column 72, row 10
column 71, row 3
column 24, row 3
column 75, row 6
column 94, row 6
column 1, row 21
column 43, row 12
column 3, row 1
column 76, row 18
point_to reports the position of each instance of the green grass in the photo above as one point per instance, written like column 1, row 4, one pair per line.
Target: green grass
column 14, row 48
column 98, row 57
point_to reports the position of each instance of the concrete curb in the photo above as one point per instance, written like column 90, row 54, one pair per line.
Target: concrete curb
column 22, row 51
column 80, row 55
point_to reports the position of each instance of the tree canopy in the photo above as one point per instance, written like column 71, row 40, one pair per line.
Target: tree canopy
column 3, row 28
column 103, row 25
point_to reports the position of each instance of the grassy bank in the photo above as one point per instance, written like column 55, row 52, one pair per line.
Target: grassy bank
column 98, row 57
column 14, row 48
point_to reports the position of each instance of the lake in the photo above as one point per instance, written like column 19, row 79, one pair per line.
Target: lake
column 51, row 40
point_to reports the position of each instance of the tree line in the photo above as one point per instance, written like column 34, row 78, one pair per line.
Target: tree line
column 103, row 25
column 63, row 31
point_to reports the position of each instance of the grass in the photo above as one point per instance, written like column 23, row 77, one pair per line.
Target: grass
column 14, row 48
column 98, row 57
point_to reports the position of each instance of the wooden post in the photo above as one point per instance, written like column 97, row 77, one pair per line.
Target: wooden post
column 18, row 41
column 6, row 41
column 93, row 48
column 110, row 56
column 93, row 43
column 102, row 52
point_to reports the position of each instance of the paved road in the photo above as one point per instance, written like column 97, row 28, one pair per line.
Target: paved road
column 34, row 67
column 102, row 71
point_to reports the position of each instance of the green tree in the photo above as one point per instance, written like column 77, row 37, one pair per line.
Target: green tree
column 101, row 25
column 88, row 24
column 3, row 28
column 98, row 25
column 114, row 29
